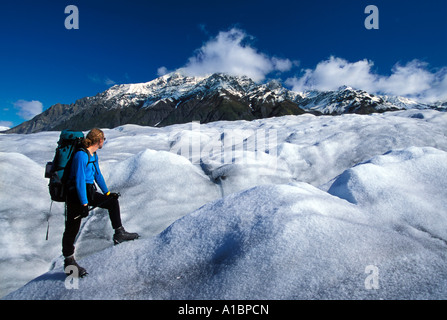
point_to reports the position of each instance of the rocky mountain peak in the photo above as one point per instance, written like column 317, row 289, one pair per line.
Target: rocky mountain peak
column 178, row 98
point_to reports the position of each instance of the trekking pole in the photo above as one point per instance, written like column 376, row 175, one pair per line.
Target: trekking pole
column 48, row 221
column 99, row 205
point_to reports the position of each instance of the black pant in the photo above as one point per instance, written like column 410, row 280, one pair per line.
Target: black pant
column 75, row 210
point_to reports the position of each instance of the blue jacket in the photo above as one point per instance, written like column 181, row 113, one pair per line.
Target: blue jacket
column 85, row 170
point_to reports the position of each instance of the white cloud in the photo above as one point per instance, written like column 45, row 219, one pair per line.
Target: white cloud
column 334, row 73
column 228, row 53
column 5, row 125
column 407, row 80
column 412, row 80
column 28, row 109
column 282, row 64
column 162, row 71
column 102, row 80
column 109, row 82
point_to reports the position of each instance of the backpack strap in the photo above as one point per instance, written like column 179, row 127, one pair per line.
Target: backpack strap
column 95, row 157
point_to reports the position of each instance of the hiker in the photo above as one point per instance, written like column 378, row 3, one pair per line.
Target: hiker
column 82, row 192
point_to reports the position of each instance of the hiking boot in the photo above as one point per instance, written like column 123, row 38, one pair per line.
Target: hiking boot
column 71, row 263
column 122, row 235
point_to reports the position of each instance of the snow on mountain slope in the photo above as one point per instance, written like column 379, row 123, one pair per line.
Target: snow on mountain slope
column 344, row 100
column 290, row 177
column 173, row 86
column 166, row 87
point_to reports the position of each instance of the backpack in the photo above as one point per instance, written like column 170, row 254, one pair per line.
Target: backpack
column 58, row 171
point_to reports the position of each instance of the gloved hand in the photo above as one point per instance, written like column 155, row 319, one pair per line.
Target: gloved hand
column 115, row 195
column 85, row 211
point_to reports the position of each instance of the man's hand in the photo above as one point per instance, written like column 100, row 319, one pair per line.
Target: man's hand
column 85, row 211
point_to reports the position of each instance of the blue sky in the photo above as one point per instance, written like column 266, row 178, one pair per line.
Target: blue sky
column 306, row 44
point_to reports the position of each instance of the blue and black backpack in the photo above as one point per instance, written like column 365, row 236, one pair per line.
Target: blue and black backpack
column 58, row 171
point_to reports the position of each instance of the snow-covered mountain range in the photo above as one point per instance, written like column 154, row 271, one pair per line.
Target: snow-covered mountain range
column 174, row 98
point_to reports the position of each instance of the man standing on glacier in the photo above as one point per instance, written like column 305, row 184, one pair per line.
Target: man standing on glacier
column 82, row 193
